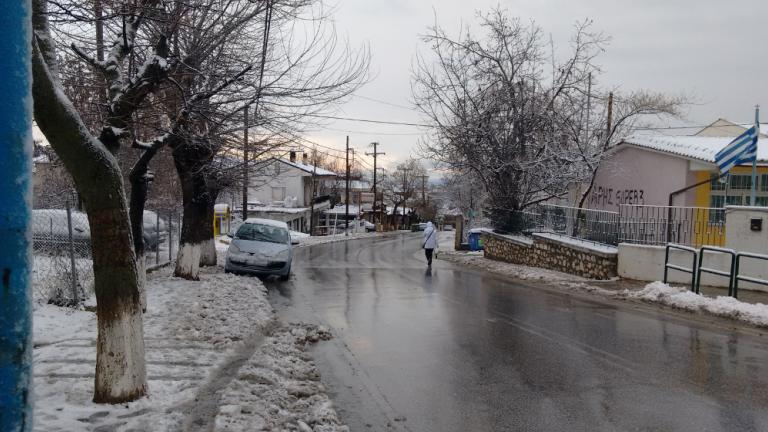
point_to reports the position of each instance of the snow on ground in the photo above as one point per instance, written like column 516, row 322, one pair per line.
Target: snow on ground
column 280, row 395
column 217, row 359
column 727, row 307
column 53, row 324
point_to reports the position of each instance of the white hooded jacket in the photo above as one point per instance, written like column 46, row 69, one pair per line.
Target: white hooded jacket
column 430, row 237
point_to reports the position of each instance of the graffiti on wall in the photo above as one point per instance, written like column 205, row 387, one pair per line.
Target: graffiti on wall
column 602, row 196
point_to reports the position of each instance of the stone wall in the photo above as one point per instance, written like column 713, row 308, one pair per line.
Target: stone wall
column 555, row 253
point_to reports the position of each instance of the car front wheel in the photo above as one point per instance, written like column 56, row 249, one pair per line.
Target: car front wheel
column 286, row 276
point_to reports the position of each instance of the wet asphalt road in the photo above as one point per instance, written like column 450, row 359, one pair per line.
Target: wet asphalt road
column 458, row 350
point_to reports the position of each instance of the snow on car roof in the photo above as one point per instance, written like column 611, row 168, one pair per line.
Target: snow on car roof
column 270, row 222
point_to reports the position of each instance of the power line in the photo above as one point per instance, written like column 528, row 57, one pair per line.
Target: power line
column 387, row 122
column 369, row 120
column 384, row 102
column 374, row 132
column 693, row 126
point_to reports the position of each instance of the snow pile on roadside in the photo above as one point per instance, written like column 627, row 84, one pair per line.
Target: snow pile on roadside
column 476, row 259
column 221, row 310
column 728, row 307
column 279, row 387
column 198, row 337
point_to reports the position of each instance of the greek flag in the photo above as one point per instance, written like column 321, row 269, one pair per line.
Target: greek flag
column 741, row 150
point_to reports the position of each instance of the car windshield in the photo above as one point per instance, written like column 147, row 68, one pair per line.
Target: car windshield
column 259, row 232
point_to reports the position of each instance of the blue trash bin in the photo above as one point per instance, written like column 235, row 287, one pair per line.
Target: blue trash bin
column 475, row 243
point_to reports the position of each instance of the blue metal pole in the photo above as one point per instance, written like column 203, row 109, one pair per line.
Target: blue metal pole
column 15, row 196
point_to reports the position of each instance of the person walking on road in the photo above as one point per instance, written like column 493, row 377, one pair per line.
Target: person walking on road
column 430, row 242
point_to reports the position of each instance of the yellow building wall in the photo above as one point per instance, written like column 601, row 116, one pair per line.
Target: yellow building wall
column 706, row 232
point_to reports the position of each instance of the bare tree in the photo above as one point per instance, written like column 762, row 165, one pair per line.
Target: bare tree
column 401, row 185
column 90, row 159
column 225, row 63
column 507, row 111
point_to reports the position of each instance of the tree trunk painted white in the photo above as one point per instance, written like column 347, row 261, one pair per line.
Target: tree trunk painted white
column 120, row 371
column 208, row 253
column 188, row 261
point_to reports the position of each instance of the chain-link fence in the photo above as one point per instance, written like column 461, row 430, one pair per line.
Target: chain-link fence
column 597, row 226
column 62, row 272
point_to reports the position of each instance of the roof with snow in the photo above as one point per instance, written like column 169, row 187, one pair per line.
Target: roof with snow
column 275, row 209
column 342, row 209
column 309, row 168
column 692, row 147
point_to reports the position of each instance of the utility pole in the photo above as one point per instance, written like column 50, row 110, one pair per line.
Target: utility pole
column 245, row 165
column 589, row 106
column 610, row 115
column 424, row 188
column 264, row 46
column 405, row 186
column 346, row 213
column 312, row 193
column 375, row 154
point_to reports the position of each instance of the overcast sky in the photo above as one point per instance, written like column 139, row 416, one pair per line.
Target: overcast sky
column 712, row 50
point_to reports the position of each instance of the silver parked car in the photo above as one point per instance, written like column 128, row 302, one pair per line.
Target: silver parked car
column 261, row 247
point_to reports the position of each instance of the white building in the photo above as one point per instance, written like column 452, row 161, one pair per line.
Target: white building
column 283, row 189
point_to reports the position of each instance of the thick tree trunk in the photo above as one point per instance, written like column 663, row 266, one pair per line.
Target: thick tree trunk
column 120, row 369
column 139, row 190
column 194, row 192
column 140, row 178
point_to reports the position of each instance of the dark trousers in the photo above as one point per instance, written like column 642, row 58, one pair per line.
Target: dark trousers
column 428, row 254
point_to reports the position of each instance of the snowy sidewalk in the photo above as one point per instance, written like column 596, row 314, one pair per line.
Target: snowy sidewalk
column 217, row 359
column 751, row 307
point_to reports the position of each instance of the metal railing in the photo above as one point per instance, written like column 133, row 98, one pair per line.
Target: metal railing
column 697, row 268
column 668, row 266
column 658, row 225
column 737, row 272
column 640, row 224
column 702, row 269
column 598, row 226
